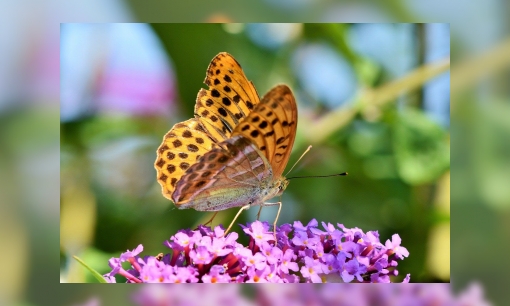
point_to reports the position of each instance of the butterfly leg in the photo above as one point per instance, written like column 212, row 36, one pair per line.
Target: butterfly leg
column 258, row 214
column 277, row 215
column 238, row 213
column 212, row 218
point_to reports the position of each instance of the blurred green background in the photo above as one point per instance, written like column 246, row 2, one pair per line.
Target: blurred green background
column 395, row 148
column 30, row 150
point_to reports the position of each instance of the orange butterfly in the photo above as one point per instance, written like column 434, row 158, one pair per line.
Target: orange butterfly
column 233, row 153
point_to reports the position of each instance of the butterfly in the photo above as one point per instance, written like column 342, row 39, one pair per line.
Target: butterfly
column 235, row 149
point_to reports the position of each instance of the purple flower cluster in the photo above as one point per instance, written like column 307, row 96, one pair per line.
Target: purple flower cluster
column 303, row 254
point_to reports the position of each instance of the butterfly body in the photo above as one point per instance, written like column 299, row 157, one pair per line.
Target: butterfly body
column 233, row 153
column 228, row 198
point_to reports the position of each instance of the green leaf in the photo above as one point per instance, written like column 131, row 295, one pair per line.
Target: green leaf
column 422, row 148
column 96, row 274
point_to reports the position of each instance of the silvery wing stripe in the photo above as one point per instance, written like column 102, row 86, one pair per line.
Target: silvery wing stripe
column 254, row 156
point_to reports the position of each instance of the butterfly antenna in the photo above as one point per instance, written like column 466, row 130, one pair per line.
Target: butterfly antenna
column 338, row 174
column 306, row 151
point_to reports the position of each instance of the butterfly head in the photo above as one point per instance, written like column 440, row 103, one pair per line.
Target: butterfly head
column 280, row 186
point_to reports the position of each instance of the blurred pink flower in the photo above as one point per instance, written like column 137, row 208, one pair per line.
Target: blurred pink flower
column 114, row 68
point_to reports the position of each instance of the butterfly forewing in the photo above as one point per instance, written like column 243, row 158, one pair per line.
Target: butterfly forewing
column 224, row 71
column 272, row 127
column 230, row 97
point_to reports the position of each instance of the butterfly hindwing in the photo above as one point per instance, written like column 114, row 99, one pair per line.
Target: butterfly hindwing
column 227, row 176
